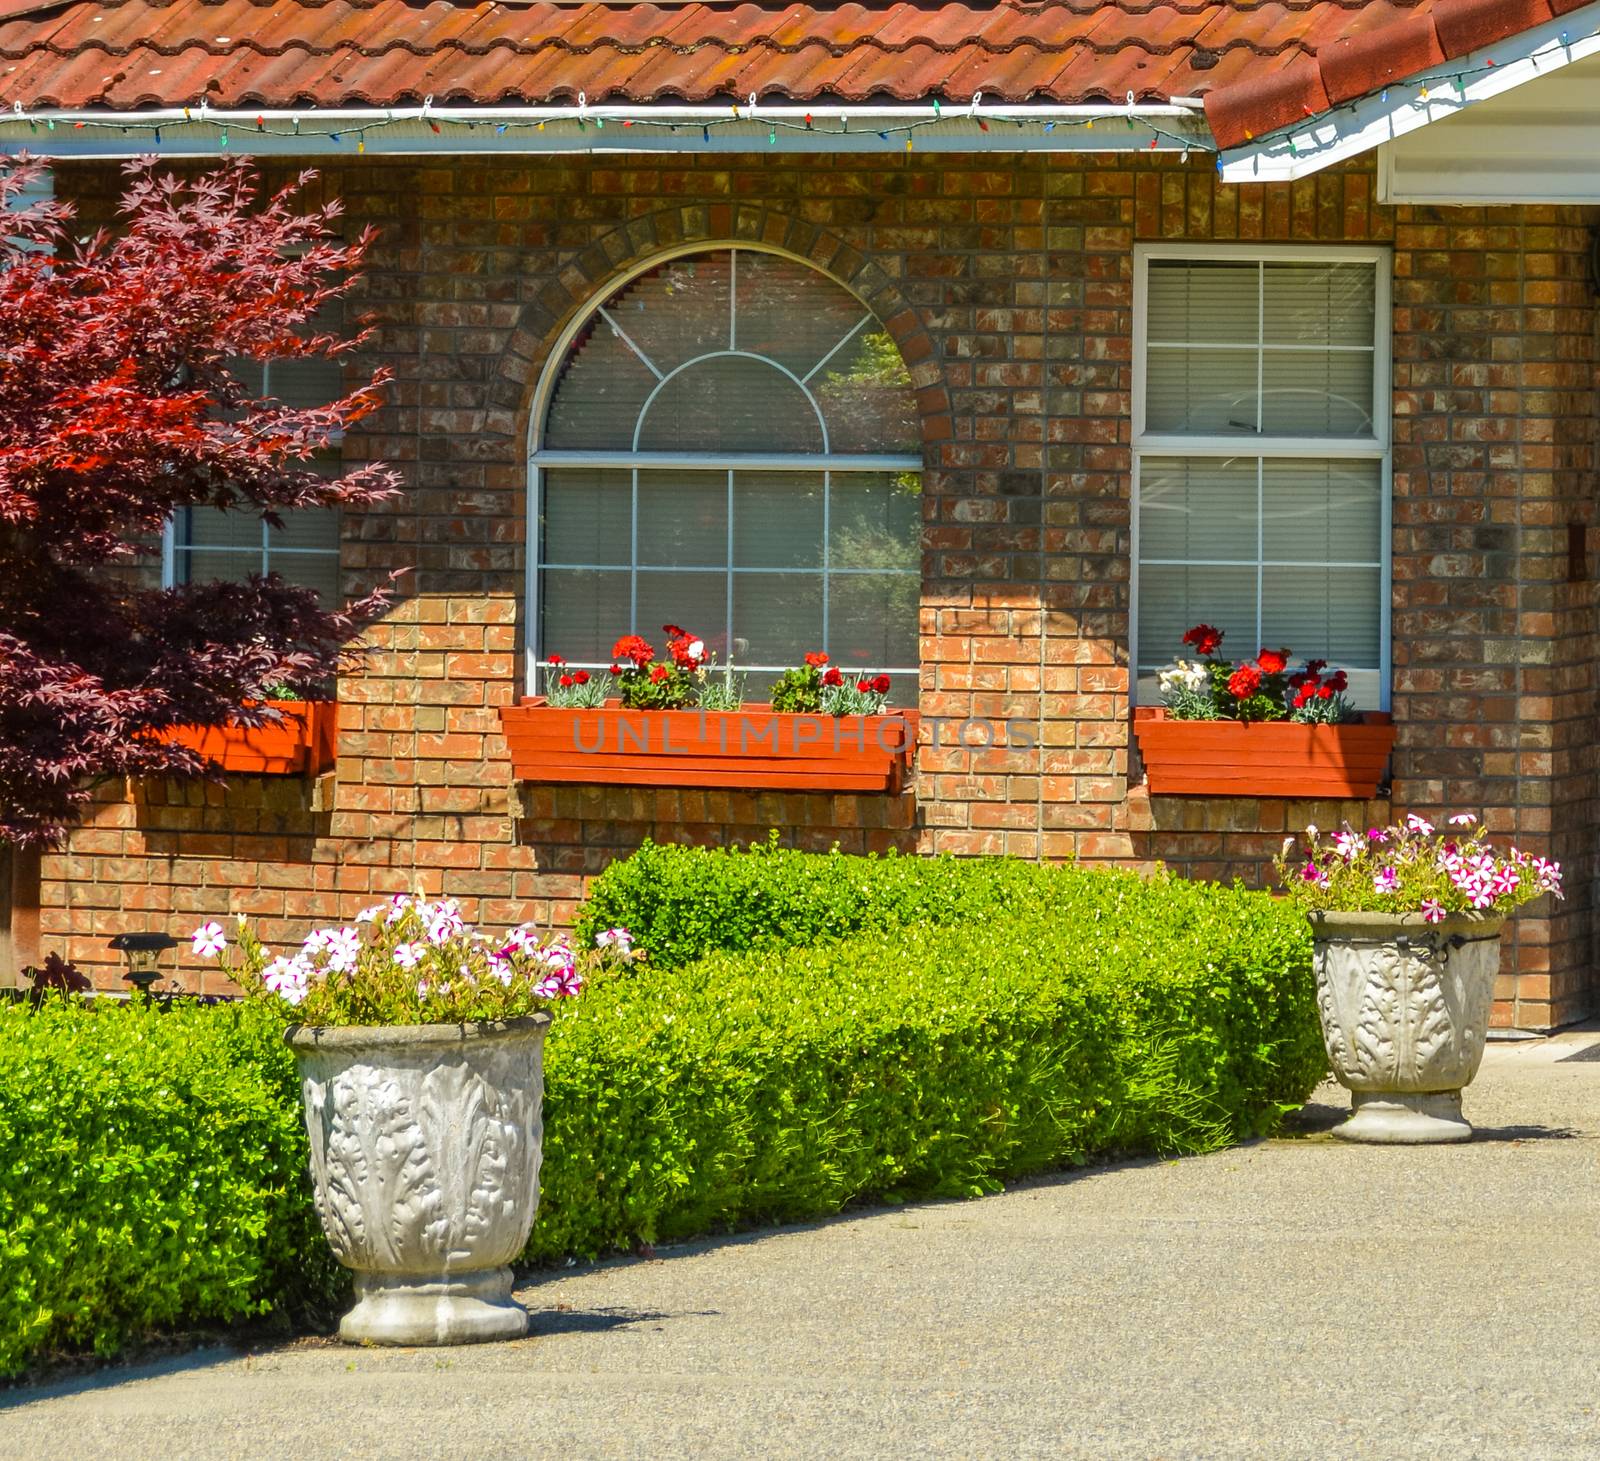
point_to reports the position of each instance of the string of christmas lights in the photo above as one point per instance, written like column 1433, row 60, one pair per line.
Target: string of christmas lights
column 584, row 121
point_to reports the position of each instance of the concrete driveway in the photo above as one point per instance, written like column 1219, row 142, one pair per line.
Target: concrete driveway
column 1294, row 1298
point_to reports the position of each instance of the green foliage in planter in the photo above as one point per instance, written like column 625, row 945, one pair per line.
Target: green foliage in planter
column 775, row 1084
column 152, row 1174
column 681, row 903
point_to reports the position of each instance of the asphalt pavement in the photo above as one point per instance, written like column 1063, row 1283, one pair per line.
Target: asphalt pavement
column 1297, row 1297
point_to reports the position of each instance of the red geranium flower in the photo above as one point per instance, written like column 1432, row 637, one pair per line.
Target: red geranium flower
column 616, row 669
column 1244, row 682
column 565, row 681
column 1272, row 661
column 582, row 677
column 1325, row 693
column 832, row 677
column 1303, row 694
column 1338, row 682
column 865, row 684
column 1204, row 638
column 556, row 659
column 658, row 673
column 632, row 647
column 672, row 631
column 881, row 684
column 816, row 660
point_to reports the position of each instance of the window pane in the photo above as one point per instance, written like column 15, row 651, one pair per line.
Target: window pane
column 872, row 620
column 311, row 528
column 697, row 602
column 582, row 614
column 588, row 515
column 1174, row 599
column 777, row 617
column 600, row 392
column 683, row 519
column 1197, row 508
column 876, row 520
column 1316, row 393
column 790, row 313
column 209, row 527
column 207, row 566
column 310, row 570
column 1324, row 613
column 678, row 311
column 867, row 399
column 1206, row 302
column 731, row 403
column 1323, row 510
column 1320, row 304
column 1205, row 392
column 777, row 519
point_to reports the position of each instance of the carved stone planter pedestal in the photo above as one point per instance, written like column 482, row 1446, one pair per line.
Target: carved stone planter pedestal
column 1405, row 1012
column 425, row 1147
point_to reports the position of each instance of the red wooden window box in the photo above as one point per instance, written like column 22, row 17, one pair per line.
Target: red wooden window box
column 752, row 748
column 1262, row 758
column 303, row 743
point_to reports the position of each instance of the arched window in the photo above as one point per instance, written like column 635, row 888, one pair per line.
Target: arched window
column 731, row 443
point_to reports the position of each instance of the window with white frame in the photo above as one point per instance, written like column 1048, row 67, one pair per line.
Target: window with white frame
column 731, row 443
column 1261, row 441
column 205, row 543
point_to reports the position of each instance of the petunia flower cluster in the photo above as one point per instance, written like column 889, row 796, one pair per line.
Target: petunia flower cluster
column 1413, row 867
column 411, row 961
column 1262, row 688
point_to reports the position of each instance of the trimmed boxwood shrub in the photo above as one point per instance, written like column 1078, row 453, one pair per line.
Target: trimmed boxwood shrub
column 152, row 1174
column 1119, row 1015
column 931, row 1028
column 683, row 902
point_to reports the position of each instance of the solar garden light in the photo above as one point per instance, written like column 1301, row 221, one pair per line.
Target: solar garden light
column 143, row 952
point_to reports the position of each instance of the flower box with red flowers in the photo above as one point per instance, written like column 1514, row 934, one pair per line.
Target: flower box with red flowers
column 1256, row 728
column 301, row 742
column 671, row 723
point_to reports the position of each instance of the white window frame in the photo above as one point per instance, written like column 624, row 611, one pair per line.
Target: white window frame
column 170, row 547
column 1376, row 447
column 826, row 462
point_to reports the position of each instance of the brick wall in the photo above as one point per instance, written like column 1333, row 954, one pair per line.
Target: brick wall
column 1008, row 287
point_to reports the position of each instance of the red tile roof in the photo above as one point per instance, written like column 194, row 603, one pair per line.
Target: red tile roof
column 1259, row 62
column 1384, row 43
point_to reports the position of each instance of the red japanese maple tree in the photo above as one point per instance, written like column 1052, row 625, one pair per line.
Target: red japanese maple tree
column 121, row 403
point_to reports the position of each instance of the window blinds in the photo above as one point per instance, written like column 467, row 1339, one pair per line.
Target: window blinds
column 1281, row 546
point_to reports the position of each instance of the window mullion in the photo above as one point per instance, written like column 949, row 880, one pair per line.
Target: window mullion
column 729, row 574
column 633, row 555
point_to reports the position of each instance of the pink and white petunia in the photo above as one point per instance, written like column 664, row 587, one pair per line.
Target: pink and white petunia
column 1432, row 910
column 209, row 941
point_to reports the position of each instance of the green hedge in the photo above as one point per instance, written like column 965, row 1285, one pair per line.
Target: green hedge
column 682, row 903
column 152, row 1174
column 152, row 1165
column 1114, row 1015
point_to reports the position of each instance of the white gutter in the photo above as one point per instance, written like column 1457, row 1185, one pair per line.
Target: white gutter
column 748, row 127
column 1353, row 128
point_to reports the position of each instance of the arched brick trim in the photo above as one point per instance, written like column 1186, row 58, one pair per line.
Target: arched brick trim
column 589, row 275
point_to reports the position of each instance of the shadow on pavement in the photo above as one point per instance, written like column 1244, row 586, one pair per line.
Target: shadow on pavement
column 1526, row 1133
column 107, row 1376
column 545, row 1323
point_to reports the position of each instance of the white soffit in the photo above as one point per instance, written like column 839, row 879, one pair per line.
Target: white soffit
column 1537, row 144
column 1404, row 108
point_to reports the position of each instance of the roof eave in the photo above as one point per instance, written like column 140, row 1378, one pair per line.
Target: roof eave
column 1352, row 128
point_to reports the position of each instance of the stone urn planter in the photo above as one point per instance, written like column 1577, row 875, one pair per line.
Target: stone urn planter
column 425, row 1149
column 1405, row 1012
